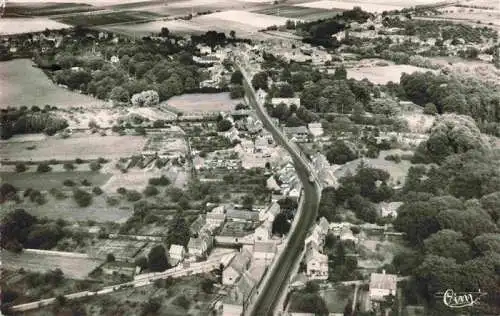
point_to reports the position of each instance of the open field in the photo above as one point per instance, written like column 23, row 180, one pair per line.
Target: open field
column 89, row 2
column 19, row 76
column 186, row 7
column 206, row 102
column 108, row 18
column 73, row 268
column 303, row 13
column 487, row 4
column 49, row 180
column 340, row 5
column 10, row 26
column 383, row 74
column 14, row 9
column 77, row 146
column 256, row 20
column 486, row 16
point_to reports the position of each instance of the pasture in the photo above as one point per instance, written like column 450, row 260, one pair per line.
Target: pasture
column 206, row 102
column 383, row 74
column 72, row 267
column 302, row 13
column 251, row 19
column 25, row 85
column 49, row 180
column 10, row 26
column 78, row 146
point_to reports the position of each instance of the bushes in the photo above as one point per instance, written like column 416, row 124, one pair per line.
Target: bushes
column 43, row 167
column 151, row 191
column 393, row 157
column 69, row 183
column 97, row 190
column 20, row 167
column 121, row 191
column 82, row 198
column 95, row 166
column 162, row 181
column 68, row 166
column 133, row 196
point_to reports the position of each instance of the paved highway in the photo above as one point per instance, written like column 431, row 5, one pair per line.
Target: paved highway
column 277, row 282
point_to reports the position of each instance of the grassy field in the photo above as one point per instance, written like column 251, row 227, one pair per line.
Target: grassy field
column 207, row 102
column 108, row 18
column 49, row 180
column 73, row 268
column 81, row 146
column 10, row 26
column 302, row 13
column 23, row 84
column 383, row 74
column 44, row 9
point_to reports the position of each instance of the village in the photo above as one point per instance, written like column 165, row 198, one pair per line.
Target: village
column 140, row 178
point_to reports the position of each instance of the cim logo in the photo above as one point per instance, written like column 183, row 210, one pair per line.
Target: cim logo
column 452, row 299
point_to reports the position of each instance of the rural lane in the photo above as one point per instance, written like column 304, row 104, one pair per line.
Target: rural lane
column 279, row 272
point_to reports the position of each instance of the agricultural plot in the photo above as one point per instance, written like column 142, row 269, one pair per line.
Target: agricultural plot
column 206, row 102
column 302, row 13
column 164, row 145
column 132, row 180
column 18, row 76
column 9, row 26
column 73, row 268
column 383, row 74
column 340, row 5
column 108, row 18
column 485, row 16
column 251, row 19
column 89, row 2
column 186, row 7
column 49, row 180
column 15, row 9
column 78, row 146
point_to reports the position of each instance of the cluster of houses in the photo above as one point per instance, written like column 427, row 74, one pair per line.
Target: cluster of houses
column 316, row 262
column 212, row 59
column 286, row 183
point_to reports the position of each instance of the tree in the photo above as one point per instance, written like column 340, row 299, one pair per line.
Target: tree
column 491, row 204
column 97, row 190
column 237, row 77
column 110, row 257
column 437, row 273
column 151, row 191
column 164, row 32
column 286, row 91
column 133, row 195
column 259, row 81
column 161, row 181
column 20, row 167
column 178, row 232
column 145, row 98
column 95, row 166
column 309, row 303
column 232, row 33
column 430, row 109
column 43, row 167
column 281, row 225
column 207, row 285
column 248, row 201
column 489, row 242
column 141, row 262
column 82, row 198
column 418, row 220
column 68, row 166
column 237, row 92
column 157, row 259
column 340, row 73
column 15, row 227
column 339, row 153
column 119, row 94
column 387, row 107
column 449, row 244
column 224, row 125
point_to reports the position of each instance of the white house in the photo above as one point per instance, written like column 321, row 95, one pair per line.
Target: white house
column 316, row 129
column 287, row 101
column 199, row 246
column 270, row 213
column 236, row 267
column 176, row 253
column 389, row 209
column 316, row 264
column 272, row 185
column 264, row 251
column 215, row 219
column 382, row 285
column 261, row 95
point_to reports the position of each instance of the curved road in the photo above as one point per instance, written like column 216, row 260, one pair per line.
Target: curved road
column 271, row 292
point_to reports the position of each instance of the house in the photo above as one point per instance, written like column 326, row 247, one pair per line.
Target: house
column 264, row 251
column 297, row 134
column 261, row 95
column 261, row 144
column 382, row 285
column 233, row 303
column 176, row 254
column 316, row 129
column 389, row 209
column 206, row 60
column 216, row 217
column 236, row 267
column 295, row 191
column 198, row 223
column 114, row 59
column 272, row 185
column 232, row 134
column 324, row 225
column 263, row 232
column 204, row 50
column 287, row 101
column 316, row 264
column 269, row 214
column 200, row 245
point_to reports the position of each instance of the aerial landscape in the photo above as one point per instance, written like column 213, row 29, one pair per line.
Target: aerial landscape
column 250, row 157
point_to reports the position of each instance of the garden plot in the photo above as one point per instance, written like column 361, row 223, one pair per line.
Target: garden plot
column 123, row 250
column 165, row 145
column 10, row 26
column 49, row 180
column 134, row 179
column 383, row 74
column 72, row 267
column 77, row 146
column 68, row 210
column 25, row 85
column 203, row 102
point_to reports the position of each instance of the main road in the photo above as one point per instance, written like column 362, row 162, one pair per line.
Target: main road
column 270, row 292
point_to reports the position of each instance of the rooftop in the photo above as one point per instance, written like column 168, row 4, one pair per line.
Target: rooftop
column 383, row 281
